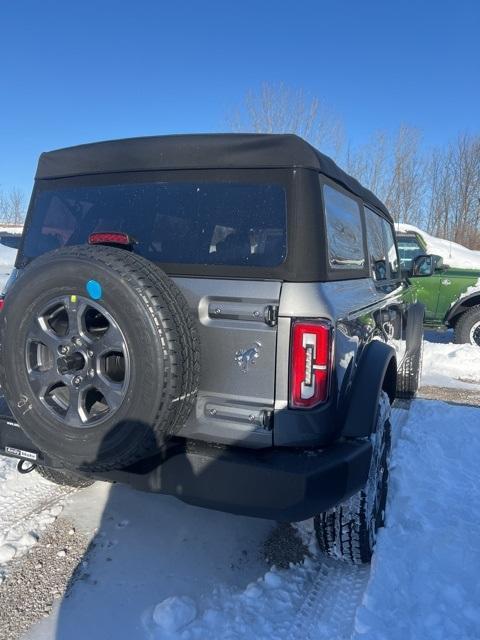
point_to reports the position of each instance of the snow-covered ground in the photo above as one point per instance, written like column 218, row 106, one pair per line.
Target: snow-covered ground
column 27, row 505
column 451, row 365
column 453, row 254
column 158, row 569
column 7, row 260
column 424, row 581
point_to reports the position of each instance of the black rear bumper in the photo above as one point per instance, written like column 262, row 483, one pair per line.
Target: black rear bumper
column 285, row 485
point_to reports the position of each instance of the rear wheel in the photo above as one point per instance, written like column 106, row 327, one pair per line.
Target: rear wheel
column 63, row 478
column 467, row 327
column 349, row 530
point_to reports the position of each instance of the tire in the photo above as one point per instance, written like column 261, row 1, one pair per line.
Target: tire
column 64, row 478
column 409, row 374
column 348, row 531
column 467, row 327
column 142, row 388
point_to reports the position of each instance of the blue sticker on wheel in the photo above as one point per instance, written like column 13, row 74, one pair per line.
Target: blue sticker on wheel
column 94, row 289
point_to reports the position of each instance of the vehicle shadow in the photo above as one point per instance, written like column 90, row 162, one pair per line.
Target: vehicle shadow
column 144, row 548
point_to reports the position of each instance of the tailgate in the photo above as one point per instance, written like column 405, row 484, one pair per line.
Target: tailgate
column 238, row 335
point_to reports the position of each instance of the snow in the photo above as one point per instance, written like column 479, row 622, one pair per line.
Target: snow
column 27, row 505
column 453, row 254
column 159, row 569
column 424, row 581
column 7, row 256
column 13, row 229
column 451, row 365
column 180, row 568
column 174, row 613
column 7, row 261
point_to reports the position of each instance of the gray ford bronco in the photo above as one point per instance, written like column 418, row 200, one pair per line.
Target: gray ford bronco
column 217, row 317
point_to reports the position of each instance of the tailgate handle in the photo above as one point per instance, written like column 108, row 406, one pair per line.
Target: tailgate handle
column 223, row 310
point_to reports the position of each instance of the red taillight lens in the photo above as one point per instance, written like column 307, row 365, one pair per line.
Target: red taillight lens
column 2, row 303
column 309, row 363
column 110, row 237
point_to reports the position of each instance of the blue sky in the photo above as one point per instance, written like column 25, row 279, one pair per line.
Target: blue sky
column 78, row 71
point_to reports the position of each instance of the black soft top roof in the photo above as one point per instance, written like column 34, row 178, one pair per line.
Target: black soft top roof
column 199, row 151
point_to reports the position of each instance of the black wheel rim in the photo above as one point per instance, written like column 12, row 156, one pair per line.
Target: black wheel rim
column 77, row 361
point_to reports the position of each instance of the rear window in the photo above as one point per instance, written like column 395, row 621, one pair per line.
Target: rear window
column 198, row 223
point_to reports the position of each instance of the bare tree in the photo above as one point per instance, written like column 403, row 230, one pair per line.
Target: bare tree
column 437, row 189
column 281, row 109
column 393, row 168
column 12, row 206
column 369, row 163
column 406, row 185
column 465, row 168
column 454, row 191
column 17, row 205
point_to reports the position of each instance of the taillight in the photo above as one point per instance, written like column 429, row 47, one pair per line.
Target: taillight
column 2, row 303
column 309, row 363
column 110, row 237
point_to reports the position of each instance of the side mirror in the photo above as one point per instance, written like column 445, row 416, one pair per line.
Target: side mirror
column 438, row 263
column 423, row 266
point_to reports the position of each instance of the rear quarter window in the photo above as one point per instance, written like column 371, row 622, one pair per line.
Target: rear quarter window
column 344, row 230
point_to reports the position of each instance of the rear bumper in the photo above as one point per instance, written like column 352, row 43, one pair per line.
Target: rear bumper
column 284, row 485
column 277, row 484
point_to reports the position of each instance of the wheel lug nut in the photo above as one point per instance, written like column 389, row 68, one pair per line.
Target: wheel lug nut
column 77, row 341
column 63, row 349
column 91, row 373
column 77, row 380
column 90, row 353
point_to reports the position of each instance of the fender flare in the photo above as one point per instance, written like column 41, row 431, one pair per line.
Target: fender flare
column 414, row 328
column 452, row 312
column 376, row 371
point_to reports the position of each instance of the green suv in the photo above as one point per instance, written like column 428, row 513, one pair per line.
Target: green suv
column 451, row 296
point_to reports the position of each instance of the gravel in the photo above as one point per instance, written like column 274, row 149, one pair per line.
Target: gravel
column 284, row 547
column 40, row 577
column 451, row 395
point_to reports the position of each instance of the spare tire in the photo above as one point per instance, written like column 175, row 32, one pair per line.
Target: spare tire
column 100, row 356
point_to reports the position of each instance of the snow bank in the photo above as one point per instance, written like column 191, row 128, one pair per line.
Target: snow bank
column 424, row 581
column 450, row 365
column 14, row 229
column 7, row 256
column 453, row 254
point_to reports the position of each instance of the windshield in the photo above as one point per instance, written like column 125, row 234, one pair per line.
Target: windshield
column 408, row 248
column 206, row 223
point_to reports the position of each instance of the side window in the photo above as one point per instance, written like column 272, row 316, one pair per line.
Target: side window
column 377, row 245
column 344, row 230
column 392, row 255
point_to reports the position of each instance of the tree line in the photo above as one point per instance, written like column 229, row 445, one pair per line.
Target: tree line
column 437, row 189
column 12, row 206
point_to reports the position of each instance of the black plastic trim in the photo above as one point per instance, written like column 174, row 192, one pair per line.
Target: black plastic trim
column 457, row 308
column 285, row 485
column 369, row 379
